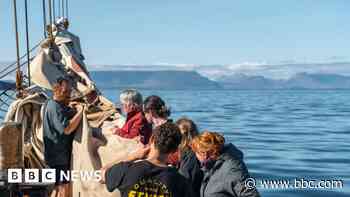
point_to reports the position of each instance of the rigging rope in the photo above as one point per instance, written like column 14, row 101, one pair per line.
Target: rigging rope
column 54, row 10
column 48, row 32
column 59, row 9
column 67, row 16
column 27, row 40
column 14, row 63
column 18, row 74
column 4, row 75
column 62, row 7
column 44, row 18
column 50, row 25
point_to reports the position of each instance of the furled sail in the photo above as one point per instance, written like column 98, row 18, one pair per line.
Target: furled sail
column 61, row 55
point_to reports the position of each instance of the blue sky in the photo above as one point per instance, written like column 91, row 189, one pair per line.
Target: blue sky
column 197, row 31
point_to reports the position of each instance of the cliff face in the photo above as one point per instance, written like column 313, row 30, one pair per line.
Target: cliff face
column 242, row 81
column 169, row 80
column 318, row 81
column 298, row 81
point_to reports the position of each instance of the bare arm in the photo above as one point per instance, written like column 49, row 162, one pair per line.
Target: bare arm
column 74, row 122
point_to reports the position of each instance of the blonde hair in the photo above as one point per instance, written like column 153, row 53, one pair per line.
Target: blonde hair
column 209, row 142
column 188, row 131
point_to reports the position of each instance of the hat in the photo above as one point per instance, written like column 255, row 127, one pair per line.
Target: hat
column 61, row 23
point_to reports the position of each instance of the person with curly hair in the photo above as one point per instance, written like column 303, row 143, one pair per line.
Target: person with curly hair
column 225, row 173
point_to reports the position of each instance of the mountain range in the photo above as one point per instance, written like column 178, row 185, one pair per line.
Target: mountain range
column 215, row 72
column 298, row 81
column 182, row 80
column 214, row 77
column 167, row 80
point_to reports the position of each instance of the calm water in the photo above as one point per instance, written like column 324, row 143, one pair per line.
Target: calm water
column 283, row 134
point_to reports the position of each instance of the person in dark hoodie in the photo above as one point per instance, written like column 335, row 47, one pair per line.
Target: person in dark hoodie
column 225, row 173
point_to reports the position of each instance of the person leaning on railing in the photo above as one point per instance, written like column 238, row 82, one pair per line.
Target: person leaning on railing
column 225, row 173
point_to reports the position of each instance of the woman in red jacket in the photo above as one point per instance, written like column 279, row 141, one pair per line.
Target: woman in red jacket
column 136, row 123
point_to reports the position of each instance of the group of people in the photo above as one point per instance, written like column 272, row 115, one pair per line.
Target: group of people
column 176, row 160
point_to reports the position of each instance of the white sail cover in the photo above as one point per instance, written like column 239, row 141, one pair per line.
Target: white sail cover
column 58, row 58
column 44, row 72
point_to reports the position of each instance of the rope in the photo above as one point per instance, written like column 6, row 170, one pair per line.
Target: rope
column 7, row 95
column 67, row 16
column 62, row 7
column 50, row 16
column 59, row 9
column 4, row 75
column 54, row 10
column 44, row 18
column 18, row 83
column 14, row 63
column 7, row 99
column 50, row 11
column 27, row 40
column 5, row 103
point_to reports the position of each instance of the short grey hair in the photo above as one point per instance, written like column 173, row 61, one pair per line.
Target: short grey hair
column 131, row 96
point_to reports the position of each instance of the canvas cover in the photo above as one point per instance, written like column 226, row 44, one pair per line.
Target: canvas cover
column 89, row 157
column 44, row 72
column 61, row 57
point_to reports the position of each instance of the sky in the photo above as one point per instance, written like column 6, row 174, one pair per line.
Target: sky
column 196, row 32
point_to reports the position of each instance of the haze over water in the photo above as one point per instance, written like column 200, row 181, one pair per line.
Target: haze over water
column 283, row 134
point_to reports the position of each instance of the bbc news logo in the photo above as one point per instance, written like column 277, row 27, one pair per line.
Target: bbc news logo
column 49, row 175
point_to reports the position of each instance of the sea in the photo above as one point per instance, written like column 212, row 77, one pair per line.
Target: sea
column 296, row 143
